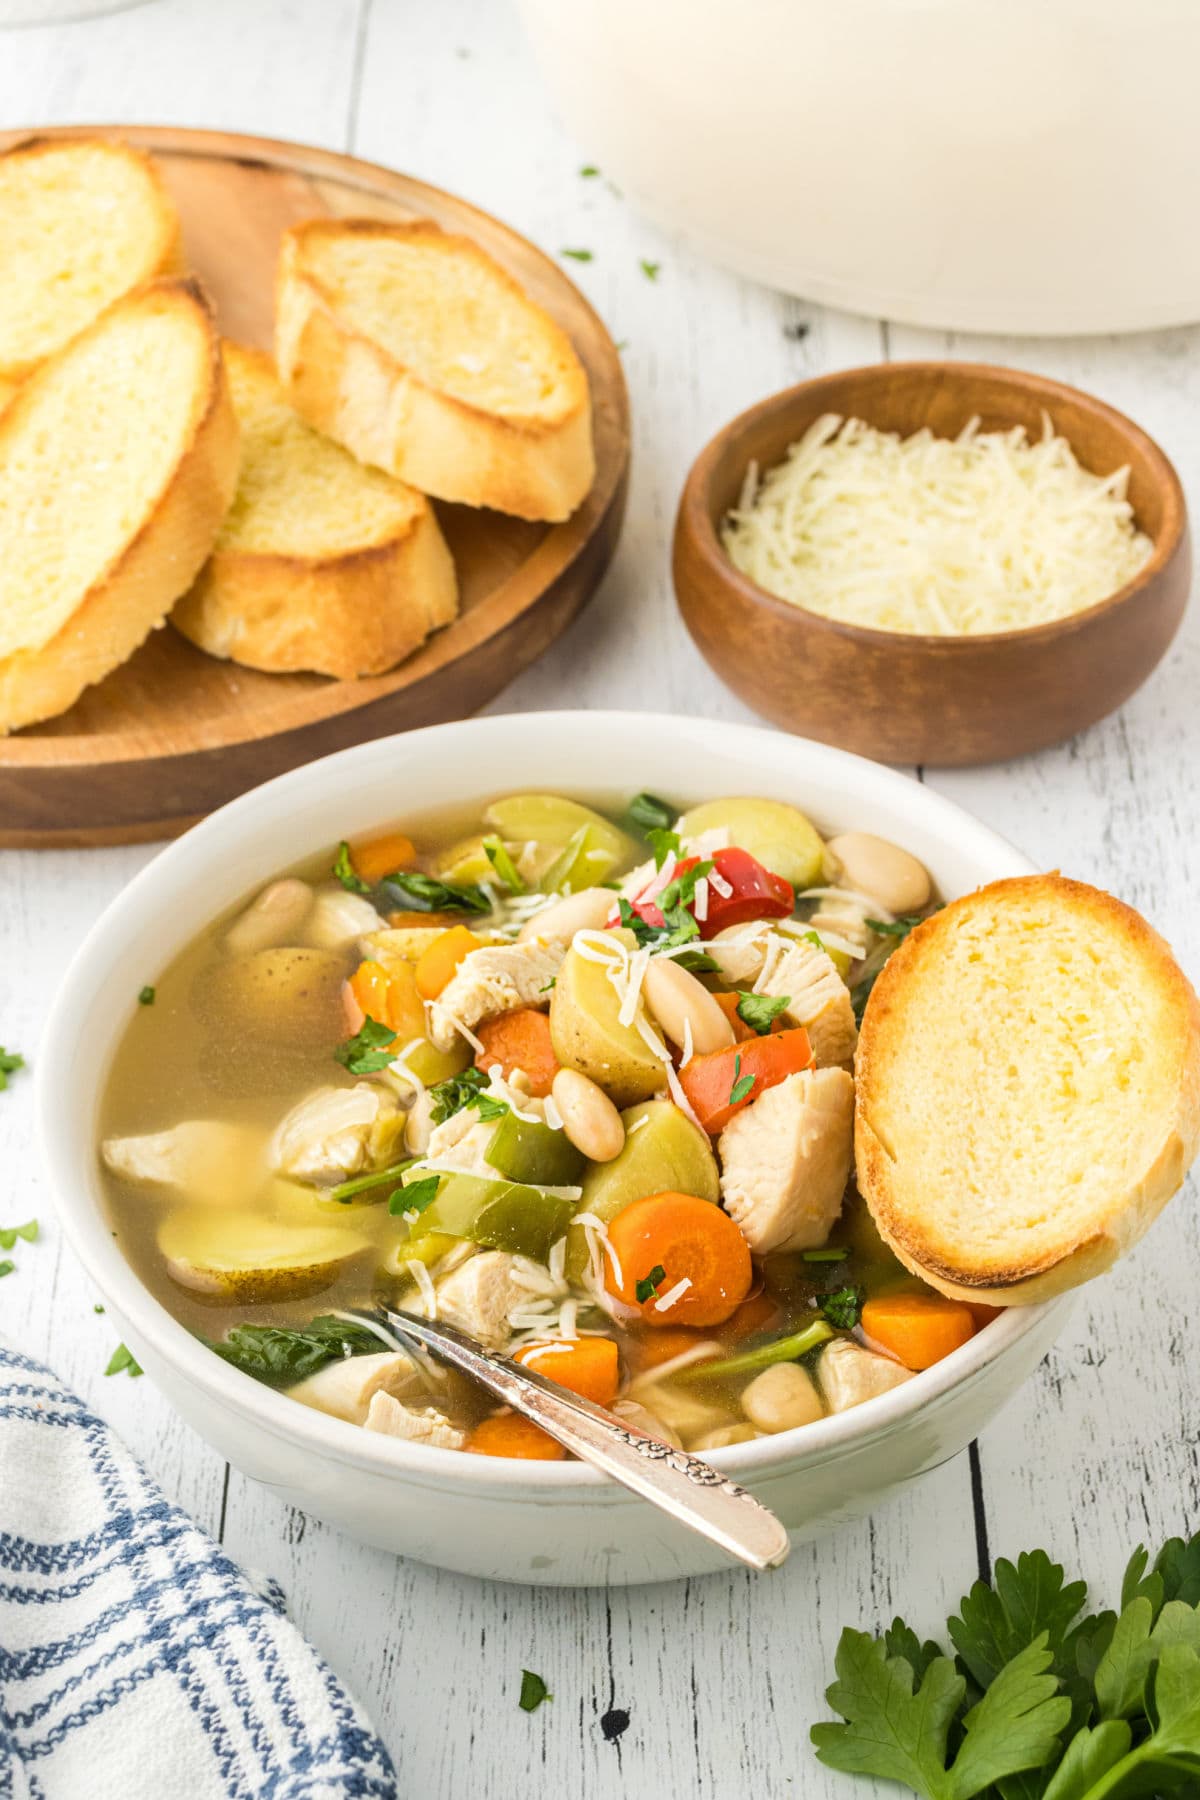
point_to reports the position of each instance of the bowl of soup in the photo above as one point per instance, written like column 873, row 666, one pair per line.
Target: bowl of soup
column 545, row 1026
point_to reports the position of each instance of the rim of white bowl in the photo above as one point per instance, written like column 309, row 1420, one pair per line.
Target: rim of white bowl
column 79, row 1201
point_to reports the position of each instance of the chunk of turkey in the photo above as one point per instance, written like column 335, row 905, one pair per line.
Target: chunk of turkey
column 416, row 1425
column 818, row 998
column 479, row 1296
column 848, row 1374
column 499, row 978
column 339, row 918
column 336, row 1132
column 208, row 1159
column 346, row 1388
column 785, row 1160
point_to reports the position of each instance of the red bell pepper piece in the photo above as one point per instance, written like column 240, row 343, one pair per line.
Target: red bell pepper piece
column 757, row 894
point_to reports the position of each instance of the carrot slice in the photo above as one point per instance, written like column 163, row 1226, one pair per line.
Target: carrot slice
column 512, row 1434
column 519, row 1040
column 389, row 996
column 382, row 856
column 588, row 1366
column 918, row 1329
column 721, row 1083
column 673, row 1239
column 436, row 966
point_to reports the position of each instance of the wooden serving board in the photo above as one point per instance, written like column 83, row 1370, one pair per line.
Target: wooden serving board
column 176, row 733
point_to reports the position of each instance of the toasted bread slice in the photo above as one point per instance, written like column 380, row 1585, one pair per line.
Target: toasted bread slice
column 82, row 221
column 420, row 354
column 321, row 563
column 1028, row 1095
column 118, row 459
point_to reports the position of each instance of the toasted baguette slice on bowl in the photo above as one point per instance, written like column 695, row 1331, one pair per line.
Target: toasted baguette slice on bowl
column 1028, row 1089
column 118, row 459
column 420, row 354
column 321, row 563
column 82, row 221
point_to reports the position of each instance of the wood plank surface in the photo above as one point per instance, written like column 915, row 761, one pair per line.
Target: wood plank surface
column 720, row 1678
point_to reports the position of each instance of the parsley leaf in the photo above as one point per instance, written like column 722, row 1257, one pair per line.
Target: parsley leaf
column 281, row 1355
column 843, row 1307
column 897, row 929
column 742, row 1084
column 425, row 893
column 367, row 1052
column 10, row 1061
column 760, row 1011
column 589, row 171
column 578, row 255
column 10, row 1233
column 123, row 1358
column 450, row 1096
column 7, row 1267
column 146, row 996
column 533, row 1691
column 488, row 1107
column 649, row 1285
column 416, row 1196
column 648, row 813
column 1025, row 1600
column 497, row 854
column 346, row 873
column 663, row 843
column 649, row 269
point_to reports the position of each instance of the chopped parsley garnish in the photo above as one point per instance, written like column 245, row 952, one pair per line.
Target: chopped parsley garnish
column 365, row 1052
column 97, row 1308
column 346, row 873
column 7, row 1267
column 10, row 1233
column 648, row 813
column 533, row 1691
column 123, row 1359
column 1043, row 1700
column 577, row 255
column 813, row 937
column 488, row 1107
column 281, row 1355
column 10, row 1062
column 361, row 1184
column 649, row 1285
column 450, row 1096
column 843, row 1308
column 679, row 927
column 416, row 1196
column 663, row 843
column 760, row 1011
column 497, row 854
column 649, row 269
column 425, row 893
column 681, row 890
column 892, row 928
column 146, row 996
column 897, row 928
column 829, row 1255
column 552, row 983
column 589, row 171
column 742, row 1084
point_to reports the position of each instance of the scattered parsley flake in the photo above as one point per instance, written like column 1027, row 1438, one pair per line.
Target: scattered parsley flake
column 10, row 1062
column 488, row 1107
column 589, row 171
column 742, row 1084
column 97, row 1308
column 123, row 1358
column 450, row 1096
column 664, row 844
column 553, row 982
column 416, row 1196
column 146, row 996
column 649, row 269
column 843, row 1308
column 649, row 1285
column 346, row 873
column 367, row 1052
column 760, row 1011
column 10, row 1233
column 6, row 1267
column 578, row 255
column 533, row 1691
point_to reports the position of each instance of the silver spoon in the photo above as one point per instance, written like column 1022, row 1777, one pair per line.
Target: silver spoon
column 691, row 1491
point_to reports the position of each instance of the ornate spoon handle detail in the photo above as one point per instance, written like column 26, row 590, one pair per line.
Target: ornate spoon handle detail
column 691, row 1491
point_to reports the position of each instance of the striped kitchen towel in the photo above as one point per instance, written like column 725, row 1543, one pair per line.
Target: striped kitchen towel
column 137, row 1662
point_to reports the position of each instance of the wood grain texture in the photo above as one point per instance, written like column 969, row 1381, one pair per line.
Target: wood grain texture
column 175, row 732
column 904, row 696
column 720, row 1678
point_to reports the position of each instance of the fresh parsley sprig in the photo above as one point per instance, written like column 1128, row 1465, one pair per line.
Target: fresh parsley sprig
column 10, row 1062
column 760, row 1011
column 649, row 1285
column 369, row 1050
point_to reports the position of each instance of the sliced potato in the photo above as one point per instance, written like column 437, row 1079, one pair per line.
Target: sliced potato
column 466, row 862
column 663, row 1151
column 281, row 994
column 588, row 1035
column 780, row 836
column 252, row 1259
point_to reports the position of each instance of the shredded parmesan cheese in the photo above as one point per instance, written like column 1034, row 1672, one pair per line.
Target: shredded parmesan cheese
column 983, row 532
column 668, row 1300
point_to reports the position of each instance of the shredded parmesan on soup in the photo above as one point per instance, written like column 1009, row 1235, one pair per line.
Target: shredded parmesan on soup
column 983, row 532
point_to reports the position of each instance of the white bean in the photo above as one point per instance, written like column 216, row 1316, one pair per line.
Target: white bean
column 896, row 879
column 590, row 1120
column 587, row 910
column 272, row 919
column 678, row 1000
column 781, row 1398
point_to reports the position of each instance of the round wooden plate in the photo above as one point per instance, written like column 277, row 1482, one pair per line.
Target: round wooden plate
column 176, row 733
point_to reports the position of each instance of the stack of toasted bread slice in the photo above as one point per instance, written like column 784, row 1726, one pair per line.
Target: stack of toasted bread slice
column 1028, row 1089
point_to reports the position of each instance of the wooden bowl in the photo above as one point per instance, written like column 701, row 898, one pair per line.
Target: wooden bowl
column 909, row 698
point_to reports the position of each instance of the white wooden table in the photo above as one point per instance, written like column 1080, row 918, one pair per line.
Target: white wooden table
column 719, row 1678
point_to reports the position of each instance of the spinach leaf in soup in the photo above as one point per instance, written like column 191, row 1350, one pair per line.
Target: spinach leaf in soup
column 281, row 1355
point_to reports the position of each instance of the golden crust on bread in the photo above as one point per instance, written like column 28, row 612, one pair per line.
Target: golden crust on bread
column 1028, row 1089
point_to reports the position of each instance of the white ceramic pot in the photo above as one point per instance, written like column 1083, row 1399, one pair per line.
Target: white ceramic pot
column 982, row 165
column 543, row 1522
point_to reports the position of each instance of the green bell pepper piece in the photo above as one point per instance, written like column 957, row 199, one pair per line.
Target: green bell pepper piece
column 501, row 1215
column 528, row 1151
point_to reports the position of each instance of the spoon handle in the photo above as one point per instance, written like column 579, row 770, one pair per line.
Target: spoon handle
column 690, row 1490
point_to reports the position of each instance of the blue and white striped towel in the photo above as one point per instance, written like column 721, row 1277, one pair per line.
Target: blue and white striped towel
column 137, row 1662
